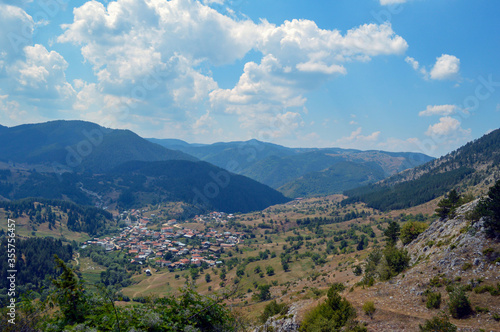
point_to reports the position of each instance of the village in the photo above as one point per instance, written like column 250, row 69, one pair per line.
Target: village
column 172, row 245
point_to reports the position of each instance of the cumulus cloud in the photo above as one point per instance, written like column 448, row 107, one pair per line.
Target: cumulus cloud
column 446, row 67
column 152, row 56
column 447, row 126
column 17, row 31
column 42, row 74
column 439, row 110
column 297, row 57
column 32, row 75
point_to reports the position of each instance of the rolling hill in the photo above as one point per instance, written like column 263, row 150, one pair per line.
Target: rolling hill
column 78, row 145
column 285, row 168
column 473, row 166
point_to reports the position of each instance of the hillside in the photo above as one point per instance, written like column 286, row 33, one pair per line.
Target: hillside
column 451, row 253
column 78, row 145
column 278, row 166
column 198, row 183
column 472, row 167
column 56, row 218
column 137, row 183
column 333, row 180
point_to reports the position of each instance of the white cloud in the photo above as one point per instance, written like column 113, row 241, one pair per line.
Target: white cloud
column 357, row 140
column 416, row 66
column 447, row 126
column 42, row 75
column 128, row 41
column 298, row 56
column 439, row 110
column 412, row 62
column 13, row 114
column 397, row 145
column 446, row 68
column 17, row 30
column 204, row 124
column 391, row 2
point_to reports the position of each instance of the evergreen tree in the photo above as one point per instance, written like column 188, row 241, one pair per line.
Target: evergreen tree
column 490, row 208
column 70, row 294
column 392, row 232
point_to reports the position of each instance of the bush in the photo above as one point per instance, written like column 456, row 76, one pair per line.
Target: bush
column 357, row 270
column 264, row 293
column 273, row 308
column 397, row 261
column 433, row 301
column 335, row 313
column 439, row 323
column 459, row 304
column 369, row 309
column 411, row 230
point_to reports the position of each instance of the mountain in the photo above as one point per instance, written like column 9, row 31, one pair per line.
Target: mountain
column 100, row 166
column 280, row 167
column 197, row 183
column 78, row 145
column 139, row 183
column 341, row 176
column 233, row 156
column 475, row 165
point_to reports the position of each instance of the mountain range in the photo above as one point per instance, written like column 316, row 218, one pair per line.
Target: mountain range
column 293, row 170
column 88, row 164
column 92, row 165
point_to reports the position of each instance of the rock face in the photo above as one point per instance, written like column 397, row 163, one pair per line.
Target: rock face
column 451, row 252
column 286, row 323
column 454, row 245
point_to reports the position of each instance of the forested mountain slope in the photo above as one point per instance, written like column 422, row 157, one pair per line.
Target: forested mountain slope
column 474, row 165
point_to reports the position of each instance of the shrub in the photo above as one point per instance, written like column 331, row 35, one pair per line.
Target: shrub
column 357, row 270
column 433, row 301
column 369, row 309
column 481, row 309
column 264, row 293
column 439, row 323
column 331, row 315
column 411, row 230
column 273, row 308
column 459, row 304
column 397, row 259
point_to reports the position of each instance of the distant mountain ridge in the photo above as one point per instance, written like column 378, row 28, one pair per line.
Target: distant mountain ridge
column 476, row 164
column 88, row 164
column 79, row 145
column 286, row 168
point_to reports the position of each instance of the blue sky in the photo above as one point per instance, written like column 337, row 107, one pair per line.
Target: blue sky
column 397, row 75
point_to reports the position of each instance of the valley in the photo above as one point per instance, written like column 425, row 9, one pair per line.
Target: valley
column 155, row 230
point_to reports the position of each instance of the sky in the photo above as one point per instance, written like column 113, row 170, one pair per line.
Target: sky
column 394, row 75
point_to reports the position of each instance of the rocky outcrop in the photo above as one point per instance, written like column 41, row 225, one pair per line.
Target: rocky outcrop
column 454, row 245
column 284, row 323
